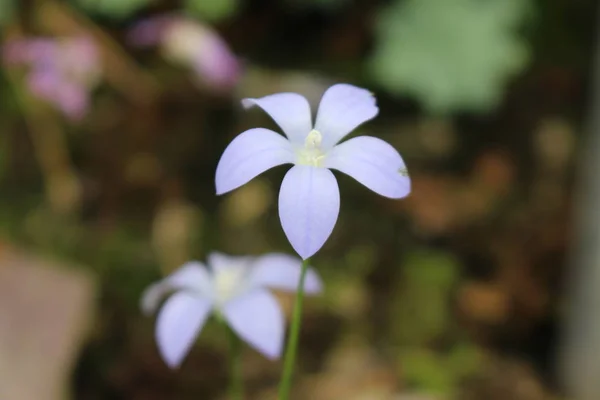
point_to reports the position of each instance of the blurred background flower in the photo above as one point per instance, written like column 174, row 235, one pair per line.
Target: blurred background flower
column 191, row 44
column 60, row 71
column 236, row 290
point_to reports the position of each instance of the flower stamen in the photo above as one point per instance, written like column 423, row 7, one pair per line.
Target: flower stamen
column 313, row 140
column 228, row 284
column 311, row 154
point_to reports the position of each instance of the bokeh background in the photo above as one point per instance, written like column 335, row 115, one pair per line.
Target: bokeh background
column 110, row 132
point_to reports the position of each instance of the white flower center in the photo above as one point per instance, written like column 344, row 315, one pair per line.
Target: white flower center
column 311, row 153
column 228, row 283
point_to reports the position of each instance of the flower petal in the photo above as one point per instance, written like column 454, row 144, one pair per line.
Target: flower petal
column 73, row 100
column 343, row 108
column 257, row 318
column 282, row 271
column 35, row 50
column 191, row 276
column 309, row 204
column 290, row 111
column 251, row 153
column 372, row 162
column 178, row 324
column 213, row 60
column 220, row 262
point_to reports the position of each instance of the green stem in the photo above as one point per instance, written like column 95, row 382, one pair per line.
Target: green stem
column 292, row 344
column 235, row 355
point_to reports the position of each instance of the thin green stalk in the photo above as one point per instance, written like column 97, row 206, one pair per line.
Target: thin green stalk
column 294, row 334
column 236, row 385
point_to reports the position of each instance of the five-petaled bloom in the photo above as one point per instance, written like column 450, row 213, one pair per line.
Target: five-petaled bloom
column 309, row 199
column 236, row 288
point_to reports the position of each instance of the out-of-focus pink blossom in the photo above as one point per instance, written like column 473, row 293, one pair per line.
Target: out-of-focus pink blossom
column 192, row 44
column 60, row 71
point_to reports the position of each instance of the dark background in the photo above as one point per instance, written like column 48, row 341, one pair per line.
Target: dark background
column 454, row 292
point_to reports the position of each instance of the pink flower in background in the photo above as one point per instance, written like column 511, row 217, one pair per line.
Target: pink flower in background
column 236, row 288
column 60, row 71
column 189, row 43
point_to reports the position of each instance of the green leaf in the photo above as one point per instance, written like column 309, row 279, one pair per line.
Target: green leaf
column 4, row 154
column 118, row 9
column 211, row 10
column 424, row 370
column 450, row 55
column 7, row 11
column 464, row 360
column 420, row 310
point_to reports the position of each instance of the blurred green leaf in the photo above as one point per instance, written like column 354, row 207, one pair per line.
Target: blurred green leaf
column 360, row 259
column 436, row 373
column 450, row 55
column 212, row 10
column 420, row 309
column 425, row 370
column 464, row 360
column 113, row 8
column 7, row 10
column 4, row 154
column 432, row 268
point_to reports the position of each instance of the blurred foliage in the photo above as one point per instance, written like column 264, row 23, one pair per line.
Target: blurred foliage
column 425, row 370
column 450, row 55
column 7, row 9
column 212, row 10
column 421, row 310
column 421, row 316
column 330, row 5
column 442, row 374
column 118, row 9
column 4, row 155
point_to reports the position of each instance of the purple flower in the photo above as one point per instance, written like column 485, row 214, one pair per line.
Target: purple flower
column 61, row 71
column 236, row 288
column 189, row 43
column 309, row 199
